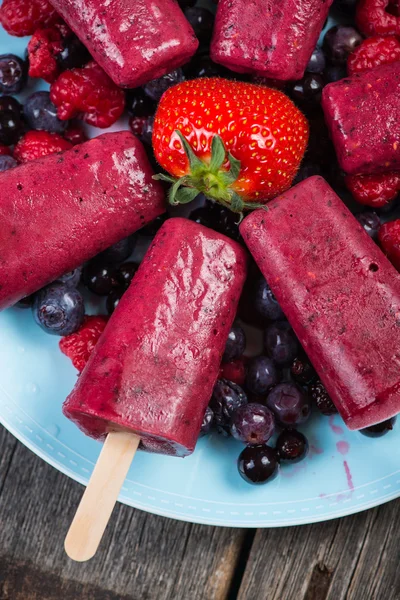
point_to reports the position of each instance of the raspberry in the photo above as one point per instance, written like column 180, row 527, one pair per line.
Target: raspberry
column 36, row 144
column 23, row 17
column 233, row 371
column 374, row 18
column 322, row 399
column 75, row 135
column 78, row 346
column 374, row 52
column 88, row 93
column 374, row 190
column 4, row 150
column 137, row 124
column 389, row 238
column 43, row 47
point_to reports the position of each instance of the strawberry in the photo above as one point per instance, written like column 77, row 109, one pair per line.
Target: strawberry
column 239, row 143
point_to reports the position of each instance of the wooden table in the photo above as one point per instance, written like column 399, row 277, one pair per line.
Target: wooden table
column 144, row 557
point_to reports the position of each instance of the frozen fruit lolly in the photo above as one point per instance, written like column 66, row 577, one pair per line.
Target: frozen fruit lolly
column 363, row 115
column 133, row 40
column 154, row 368
column 340, row 294
column 61, row 210
column 151, row 374
column 268, row 38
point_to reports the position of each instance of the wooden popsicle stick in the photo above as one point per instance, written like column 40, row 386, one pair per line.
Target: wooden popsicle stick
column 101, row 494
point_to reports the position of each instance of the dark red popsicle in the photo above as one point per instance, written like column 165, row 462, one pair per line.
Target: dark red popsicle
column 59, row 211
column 340, row 294
column 154, row 367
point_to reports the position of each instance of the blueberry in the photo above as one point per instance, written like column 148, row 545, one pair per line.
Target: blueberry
column 156, row 88
column 321, row 398
column 280, row 343
column 125, row 273
column 58, row 309
column 99, row 277
column 40, row 113
column 11, row 125
column 8, row 103
column 303, row 371
column 291, row 446
column 203, row 66
column 151, row 229
column 185, row 3
column 217, row 217
column 334, row 73
column 370, row 221
column 258, row 464
column 74, row 54
column 380, row 429
column 252, row 424
column 308, row 169
column 317, row 63
column 139, row 104
column 339, row 42
column 348, row 7
column 261, row 375
column 308, row 90
column 265, row 302
column 226, row 398
column 119, row 251
column 147, row 131
column 235, row 344
column 207, row 422
column 113, row 298
column 72, row 278
column 7, row 162
column 13, row 74
column 289, row 403
column 202, row 21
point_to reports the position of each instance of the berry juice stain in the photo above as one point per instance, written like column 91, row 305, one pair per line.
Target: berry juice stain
column 342, row 447
column 348, row 475
column 335, row 428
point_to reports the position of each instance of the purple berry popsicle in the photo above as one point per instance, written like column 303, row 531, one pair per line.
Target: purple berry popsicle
column 267, row 38
column 63, row 209
column 363, row 115
column 134, row 41
column 153, row 370
column 340, row 294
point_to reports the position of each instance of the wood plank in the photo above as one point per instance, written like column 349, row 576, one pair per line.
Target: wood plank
column 352, row 558
column 142, row 556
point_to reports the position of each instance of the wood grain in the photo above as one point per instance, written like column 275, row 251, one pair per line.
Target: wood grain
column 355, row 558
column 142, row 556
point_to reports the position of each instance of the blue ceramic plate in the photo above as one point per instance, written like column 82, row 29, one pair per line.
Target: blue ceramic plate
column 344, row 472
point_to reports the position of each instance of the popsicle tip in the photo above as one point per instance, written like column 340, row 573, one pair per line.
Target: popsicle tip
column 77, row 552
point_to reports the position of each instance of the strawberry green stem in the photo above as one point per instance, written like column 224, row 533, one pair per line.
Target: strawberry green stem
column 208, row 178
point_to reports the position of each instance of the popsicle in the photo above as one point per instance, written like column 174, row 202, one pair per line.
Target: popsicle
column 133, row 40
column 151, row 374
column 267, row 38
column 155, row 366
column 363, row 115
column 59, row 211
column 340, row 294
